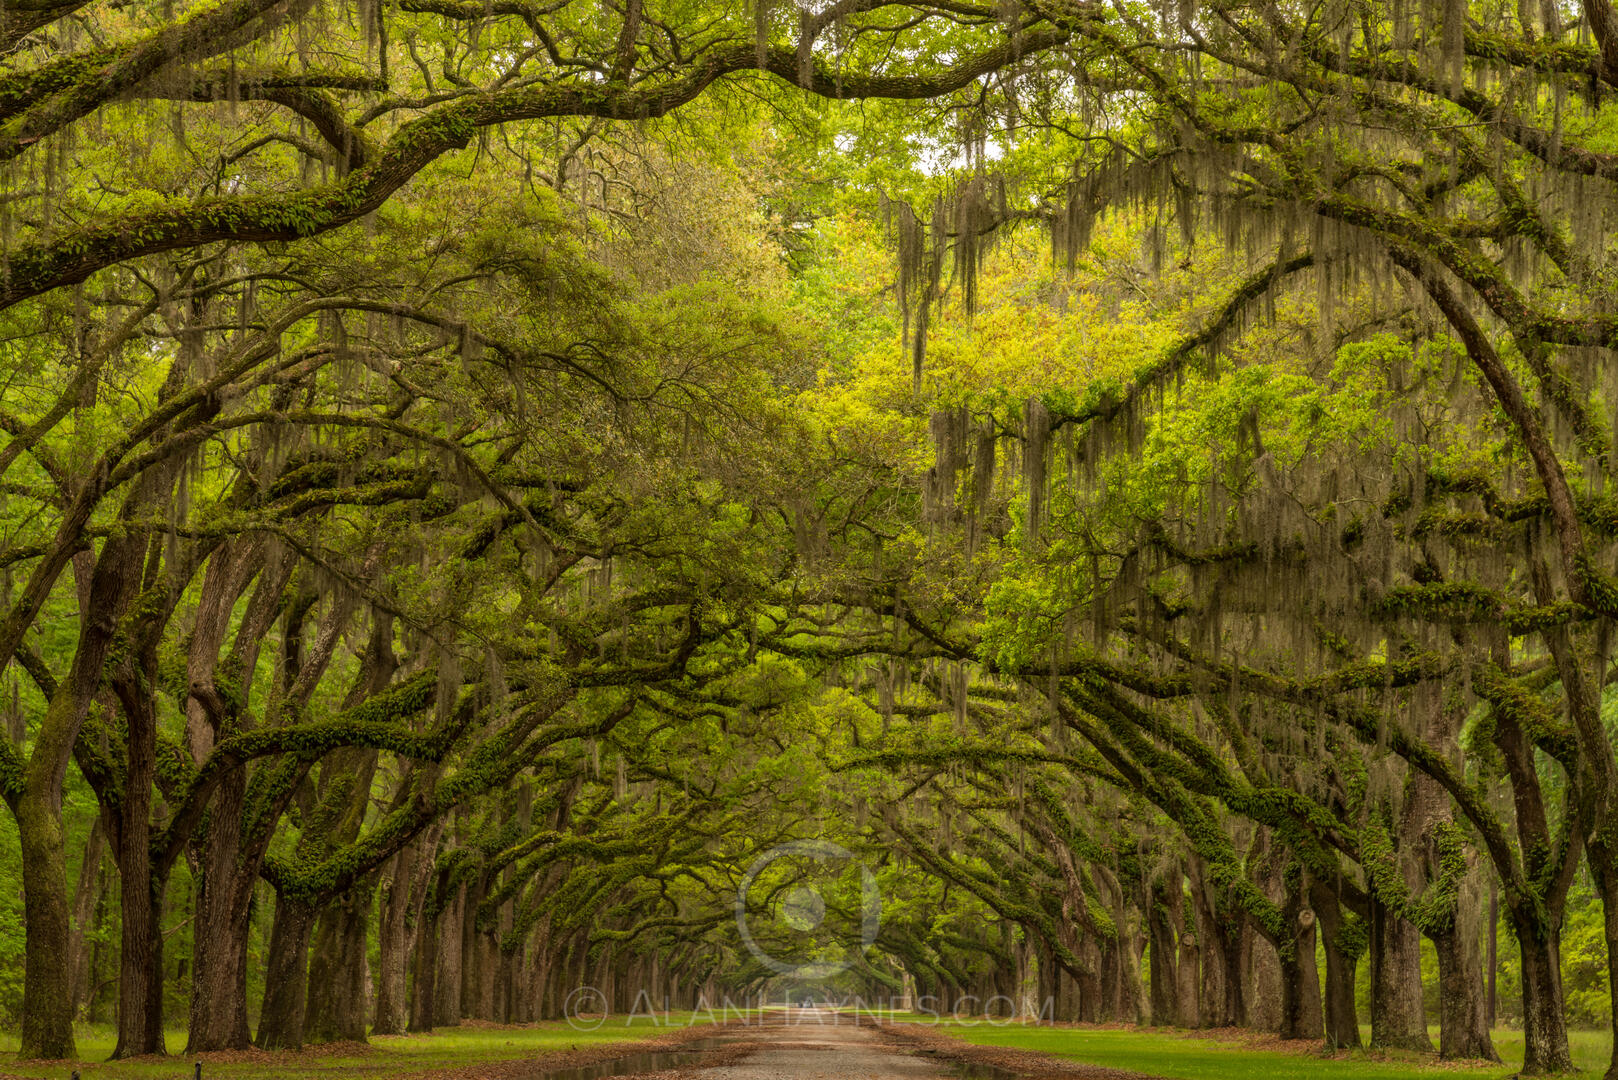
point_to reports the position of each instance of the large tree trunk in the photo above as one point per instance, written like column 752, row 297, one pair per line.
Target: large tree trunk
column 451, row 963
column 1536, row 920
column 424, row 988
column 1342, row 1024
column 429, row 940
column 1165, row 974
column 1048, row 981
column 1463, row 1029
column 1233, row 934
column 140, row 969
column 142, row 882
column 1301, row 1015
column 47, row 1014
column 505, row 994
column 505, row 966
column 47, row 996
column 1086, row 987
column 1190, row 980
column 1109, row 1004
column 1212, row 997
column 1124, row 986
column 1398, row 1017
column 421, row 894
column 1264, row 993
column 472, row 952
column 337, row 970
column 224, row 902
column 226, row 862
column 488, row 969
column 393, row 944
column 1545, row 1046
column 85, row 897
column 1398, row 1013
column 1603, row 861
column 281, row 1018
column 547, row 1000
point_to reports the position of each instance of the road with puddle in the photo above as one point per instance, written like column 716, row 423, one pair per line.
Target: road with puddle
column 782, row 1044
column 821, row 1045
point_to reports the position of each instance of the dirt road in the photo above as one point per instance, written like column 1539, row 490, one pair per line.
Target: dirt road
column 818, row 1045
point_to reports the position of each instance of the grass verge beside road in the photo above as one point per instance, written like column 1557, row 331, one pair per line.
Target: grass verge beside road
column 1186, row 1055
column 421, row 1057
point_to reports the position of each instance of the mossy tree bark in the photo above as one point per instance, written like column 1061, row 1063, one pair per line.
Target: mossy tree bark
column 451, row 968
column 337, row 970
column 1398, row 1016
column 1463, row 1024
column 1162, row 930
column 86, row 896
column 1302, row 1014
column 226, row 872
column 425, row 965
column 47, row 1021
column 1603, row 858
column 1210, row 946
column 286, row 976
column 1342, row 948
column 63, row 91
column 336, row 1009
column 227, row 860
column 142, row 871
column 399, row 901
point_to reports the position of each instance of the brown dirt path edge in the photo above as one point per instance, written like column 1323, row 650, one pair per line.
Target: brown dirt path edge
column 926, row 1041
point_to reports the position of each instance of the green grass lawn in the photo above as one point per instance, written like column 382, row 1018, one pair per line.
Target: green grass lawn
column 1170, row 1053
column 389, row 1055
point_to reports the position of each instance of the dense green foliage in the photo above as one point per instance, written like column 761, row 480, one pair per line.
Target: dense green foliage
column 500, row 498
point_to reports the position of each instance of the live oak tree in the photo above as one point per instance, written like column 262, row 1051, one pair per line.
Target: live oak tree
column 1461, row 246
column 278, row 94
column 291, row 416
column 1150, row 504
column 313, row 155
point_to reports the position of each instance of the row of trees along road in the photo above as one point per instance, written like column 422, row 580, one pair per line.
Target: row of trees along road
column 370, row 454
column 478, row 475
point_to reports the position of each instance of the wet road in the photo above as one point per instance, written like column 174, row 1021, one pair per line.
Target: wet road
column 815, row 1044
